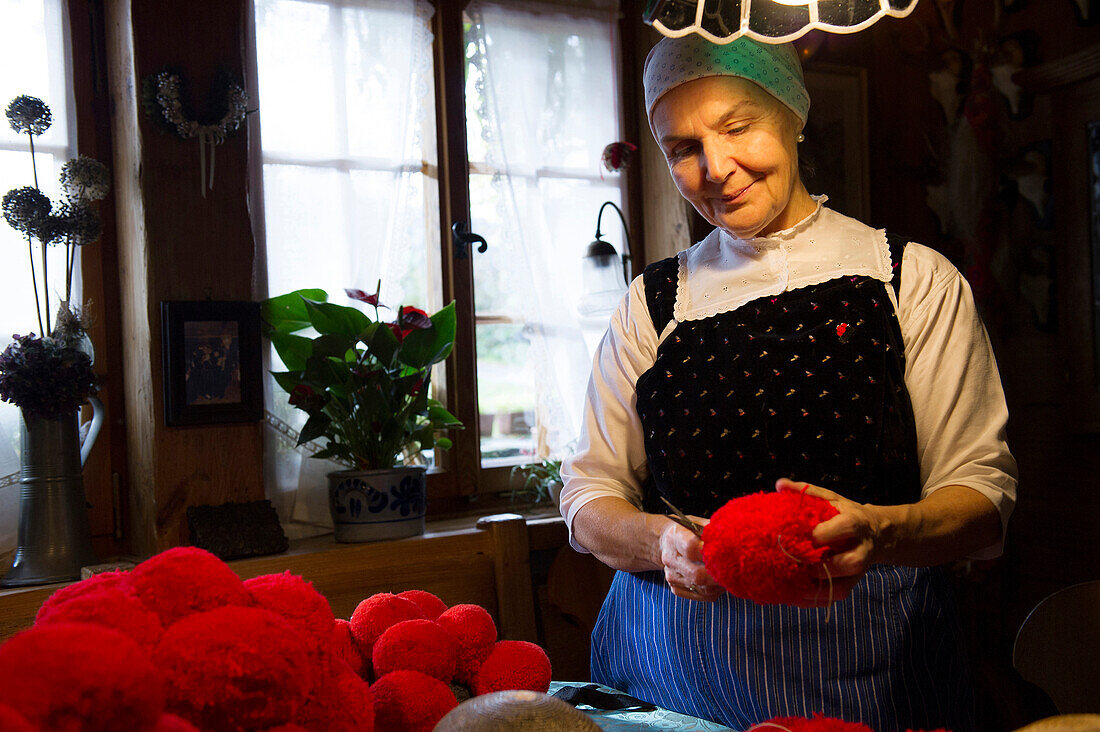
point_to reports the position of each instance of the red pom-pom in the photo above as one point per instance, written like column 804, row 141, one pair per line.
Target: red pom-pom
column 112, row 607
column 343, row 646
column 819, row 723
column 100, row 581
column 760, row 546
column 13, row 721
column 186, row 580
column 235, row 667
column 78, row 676
column 172, row 723
column 410, row 701
column 340, row 702
column 429, row 604
column 513, row 665
column 377, row 613
column 295, row 599
column 473, row 628
column 416, row 645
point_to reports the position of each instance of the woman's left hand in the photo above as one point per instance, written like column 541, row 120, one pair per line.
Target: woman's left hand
column 853, row 535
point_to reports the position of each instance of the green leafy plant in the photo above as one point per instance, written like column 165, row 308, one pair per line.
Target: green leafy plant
column 539, row 479
column 364, row 382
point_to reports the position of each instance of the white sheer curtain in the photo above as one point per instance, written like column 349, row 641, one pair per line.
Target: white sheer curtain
column 34, row 60
column 350, row 194
column 542, row 102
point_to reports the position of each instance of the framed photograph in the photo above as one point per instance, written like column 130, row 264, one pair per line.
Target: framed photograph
column 835, row 149
column 212, row 363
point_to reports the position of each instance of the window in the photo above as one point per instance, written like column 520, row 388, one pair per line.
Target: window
column 34, row 60
column 356, row 127
column 541, row 104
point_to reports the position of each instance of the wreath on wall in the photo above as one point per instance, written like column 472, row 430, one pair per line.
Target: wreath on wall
column 164, row 95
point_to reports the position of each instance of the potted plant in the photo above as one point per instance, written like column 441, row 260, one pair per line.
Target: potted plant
column 365, row 385
column 49, row 375
column 541, row 481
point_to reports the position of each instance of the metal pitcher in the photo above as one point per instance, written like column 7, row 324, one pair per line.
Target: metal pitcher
column 54, row 536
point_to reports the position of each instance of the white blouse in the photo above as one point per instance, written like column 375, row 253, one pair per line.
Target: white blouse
column 950, row 371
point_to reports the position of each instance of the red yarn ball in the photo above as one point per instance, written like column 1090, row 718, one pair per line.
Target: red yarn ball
column 172, row 723
column 109, row 606
column 429, row 604
column 410, row 701
column 79, row 676
column 343, row 647
column 235, row 667
column 377, row 613
column 99, row 581
column 295, row 599
column 185, row 580
column 513, row 665
column 475, row 632
column 760, row 546
column 13, row 721
column 416, row 645
column 819, row 723
column 340, row 702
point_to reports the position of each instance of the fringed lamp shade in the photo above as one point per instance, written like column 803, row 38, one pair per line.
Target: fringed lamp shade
column 768, row 21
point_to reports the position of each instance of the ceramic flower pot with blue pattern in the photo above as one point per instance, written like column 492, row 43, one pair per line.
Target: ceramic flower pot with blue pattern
column 373, row 505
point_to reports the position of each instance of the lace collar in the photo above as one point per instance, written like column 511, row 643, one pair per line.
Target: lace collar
column 721, row 273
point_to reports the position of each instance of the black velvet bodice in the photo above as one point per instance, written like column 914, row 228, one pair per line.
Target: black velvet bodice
column 807, row 385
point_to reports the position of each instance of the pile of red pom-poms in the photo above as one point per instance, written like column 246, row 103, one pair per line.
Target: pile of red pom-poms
column 180, row 644
column 760, row 546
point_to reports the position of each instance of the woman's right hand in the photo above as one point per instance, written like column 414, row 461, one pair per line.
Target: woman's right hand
column 682, row 559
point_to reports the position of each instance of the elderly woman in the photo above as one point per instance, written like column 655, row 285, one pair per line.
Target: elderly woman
column 793, row 348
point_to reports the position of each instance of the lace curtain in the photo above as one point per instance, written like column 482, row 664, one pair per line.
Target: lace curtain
column 542, row 102
column 347, row 125
column 33, row 60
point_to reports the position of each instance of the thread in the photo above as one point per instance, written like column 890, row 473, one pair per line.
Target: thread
column 828, row 575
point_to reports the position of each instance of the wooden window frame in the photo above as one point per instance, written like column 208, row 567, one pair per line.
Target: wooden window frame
column 458, row 484
column 105, row 473
column 461, row 477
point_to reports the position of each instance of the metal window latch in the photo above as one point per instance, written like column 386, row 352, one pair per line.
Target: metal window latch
column 462, row 238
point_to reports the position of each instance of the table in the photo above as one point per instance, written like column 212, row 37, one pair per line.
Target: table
column 662, row 719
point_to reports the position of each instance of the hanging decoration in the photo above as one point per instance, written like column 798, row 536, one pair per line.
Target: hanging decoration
column 617, row 156
column 162, row 98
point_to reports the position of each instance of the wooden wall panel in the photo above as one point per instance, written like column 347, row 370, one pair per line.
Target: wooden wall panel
column 176, row 244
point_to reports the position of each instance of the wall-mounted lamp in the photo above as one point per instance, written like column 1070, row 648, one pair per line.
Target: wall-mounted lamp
column 604, row 272
column 768, row 21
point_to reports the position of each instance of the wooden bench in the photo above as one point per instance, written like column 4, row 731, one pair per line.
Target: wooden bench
column 488, row 565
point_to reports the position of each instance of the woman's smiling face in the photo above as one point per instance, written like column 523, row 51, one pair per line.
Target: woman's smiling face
column 731, row 148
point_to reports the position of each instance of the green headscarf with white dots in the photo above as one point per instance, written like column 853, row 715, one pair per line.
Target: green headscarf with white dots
column 774, row 67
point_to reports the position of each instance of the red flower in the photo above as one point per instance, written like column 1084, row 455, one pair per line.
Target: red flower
column 398, row 331
column 840, row 330
column 414, row 318
column 306, row 399
column 368, row 298
column 300, row 394
column 408, row 320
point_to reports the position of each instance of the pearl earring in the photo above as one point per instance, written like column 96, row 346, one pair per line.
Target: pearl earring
column 801, row 137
